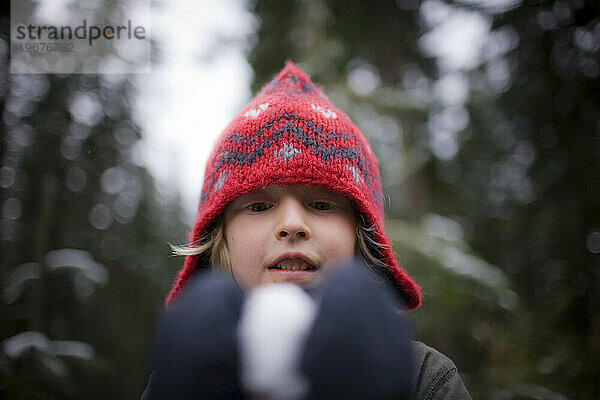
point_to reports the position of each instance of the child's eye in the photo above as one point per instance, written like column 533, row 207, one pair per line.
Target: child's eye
column 320, row 205
column 259, row 206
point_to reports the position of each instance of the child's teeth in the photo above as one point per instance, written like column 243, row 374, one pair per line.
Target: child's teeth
column 293, row 265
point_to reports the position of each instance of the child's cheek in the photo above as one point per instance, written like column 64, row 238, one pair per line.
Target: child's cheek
column 246, row 258
column 341, row 250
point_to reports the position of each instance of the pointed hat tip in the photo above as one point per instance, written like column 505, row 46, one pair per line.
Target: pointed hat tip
column 292, row 69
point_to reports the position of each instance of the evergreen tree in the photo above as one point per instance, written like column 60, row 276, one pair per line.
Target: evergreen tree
column 500, row 223
column 85, row 260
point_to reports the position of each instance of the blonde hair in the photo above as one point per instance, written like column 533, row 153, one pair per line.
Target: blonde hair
column 214, row 251
column 213, row 247
column 369, row 248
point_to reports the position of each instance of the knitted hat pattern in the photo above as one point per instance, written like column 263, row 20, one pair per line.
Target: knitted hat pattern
column 290, row 133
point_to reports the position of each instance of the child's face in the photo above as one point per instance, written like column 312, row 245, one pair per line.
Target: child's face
column 288, row 233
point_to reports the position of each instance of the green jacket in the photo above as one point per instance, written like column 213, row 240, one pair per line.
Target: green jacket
column 436, row 376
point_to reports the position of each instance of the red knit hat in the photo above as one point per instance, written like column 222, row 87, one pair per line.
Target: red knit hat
column 290, row 133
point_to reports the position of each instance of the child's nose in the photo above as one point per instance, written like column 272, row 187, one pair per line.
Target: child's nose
column 292, row 222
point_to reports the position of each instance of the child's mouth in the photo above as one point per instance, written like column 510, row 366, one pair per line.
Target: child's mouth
column 293, row 267
column 293, row 264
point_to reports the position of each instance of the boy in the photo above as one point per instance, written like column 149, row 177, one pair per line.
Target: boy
column 291, row 190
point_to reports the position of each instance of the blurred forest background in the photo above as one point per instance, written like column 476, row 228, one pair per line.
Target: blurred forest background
column 490, row 169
